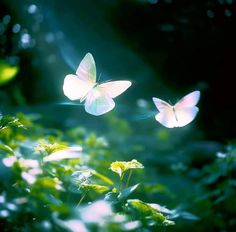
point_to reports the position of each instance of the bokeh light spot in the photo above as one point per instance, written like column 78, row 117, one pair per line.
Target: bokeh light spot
column 32, row 9
column 16, row 28
column 4, row 213
column 210, row 14
column 6, row 19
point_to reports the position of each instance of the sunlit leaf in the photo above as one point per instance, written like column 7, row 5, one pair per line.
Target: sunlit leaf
column 7, row 72
column 49, row 148
column 158, row 219
column 9, row 121
column 7, row 149
column 126, row 192
column 141, row 206
column 122, row 166
column 94, row 187
column 52, row 183
column 150, row 212
column 161, row 209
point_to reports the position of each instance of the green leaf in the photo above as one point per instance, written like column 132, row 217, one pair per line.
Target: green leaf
column 9, row 121
column 126, row 192
column 49, row 183
column 111, row 197
column 159, row 219
column 94, row 187
column 44, row 146
column 7, row 149
column 149, row 212
column 120, row 167
column 7, row 72
column 142, row 207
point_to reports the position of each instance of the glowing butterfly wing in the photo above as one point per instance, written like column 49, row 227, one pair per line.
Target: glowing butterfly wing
column 189, row 100
column 166, row 114
column 114, row 88
column 185, row 109
column 75, row 88
column 160, row 104
column 185, row 116
column 97, row 102
column 87, row 69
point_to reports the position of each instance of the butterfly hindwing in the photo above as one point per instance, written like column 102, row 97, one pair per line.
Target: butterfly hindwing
column 166, row 118
column 185, row 115
column 98, row 102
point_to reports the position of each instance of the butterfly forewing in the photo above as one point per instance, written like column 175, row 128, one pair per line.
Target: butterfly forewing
column 75, row 88
column 98, row 103
column 114, row 88
column 189, row 100
column 160, row 104
column 185, row 108
column 87, row 69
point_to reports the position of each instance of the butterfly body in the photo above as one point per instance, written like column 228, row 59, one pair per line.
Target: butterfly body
column 180, row 114
column 83, row 86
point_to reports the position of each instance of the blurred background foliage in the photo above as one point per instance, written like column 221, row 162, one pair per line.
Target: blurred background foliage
column 167, row 48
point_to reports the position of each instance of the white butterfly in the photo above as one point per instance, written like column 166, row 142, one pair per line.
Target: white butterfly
column 83, row 86
column 181, row 114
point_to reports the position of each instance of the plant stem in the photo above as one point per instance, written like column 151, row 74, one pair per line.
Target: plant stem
column 129, row 177
column 121, row 178
column 81, row 199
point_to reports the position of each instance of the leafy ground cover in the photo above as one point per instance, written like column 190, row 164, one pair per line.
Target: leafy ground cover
column 74, row 180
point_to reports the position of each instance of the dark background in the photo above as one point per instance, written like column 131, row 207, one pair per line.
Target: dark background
column 167, row 48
